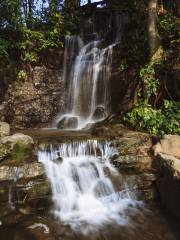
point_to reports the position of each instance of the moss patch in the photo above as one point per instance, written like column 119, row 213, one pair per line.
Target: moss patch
column 21, row 151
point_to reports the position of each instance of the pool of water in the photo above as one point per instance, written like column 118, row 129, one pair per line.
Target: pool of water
column 145, row 224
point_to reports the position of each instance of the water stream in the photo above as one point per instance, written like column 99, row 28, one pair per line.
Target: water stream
column 83, row 191
column 86, row 74
column 91, row 199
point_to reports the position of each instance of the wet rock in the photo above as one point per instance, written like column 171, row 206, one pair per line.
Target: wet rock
column 133, row 163
column 68, row 123
column 4, row 129
column 58, row 160
column 38, row 189
column 142, row 185
column 99, row 113
column 133, row 159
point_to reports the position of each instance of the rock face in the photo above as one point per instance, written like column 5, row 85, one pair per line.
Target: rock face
column 34, row 102
column 135, row 164
column 133, row 159
column 167, row 163
column 23, row 184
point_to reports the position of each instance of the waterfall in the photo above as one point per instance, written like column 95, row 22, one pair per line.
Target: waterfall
column 83, row 193
column 86, row 74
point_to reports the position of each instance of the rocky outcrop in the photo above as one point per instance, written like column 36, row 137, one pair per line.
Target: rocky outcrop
column 35, row 101
column 167, row 164
column 23, row 184
column 17, row 147
column 133, row 160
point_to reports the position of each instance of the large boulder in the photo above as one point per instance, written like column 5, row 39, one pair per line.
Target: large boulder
column 17, row 147
column 16, row 138
column 99, row 113
column 167, row 164
column 169, row 144
column 168, row 182
column 68, row 123
column 4, row 129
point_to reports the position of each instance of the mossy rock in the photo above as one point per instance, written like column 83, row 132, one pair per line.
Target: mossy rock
column 4, row 151
column 21, row 151
column 18, row 147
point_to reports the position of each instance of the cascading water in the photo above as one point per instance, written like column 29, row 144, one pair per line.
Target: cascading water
column 84, row 195
column 87, row 70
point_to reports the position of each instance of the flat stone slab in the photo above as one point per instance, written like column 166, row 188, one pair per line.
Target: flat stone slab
column 25, row 171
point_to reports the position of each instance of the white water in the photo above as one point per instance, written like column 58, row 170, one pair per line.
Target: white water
column 83, row 194
column 86, row 74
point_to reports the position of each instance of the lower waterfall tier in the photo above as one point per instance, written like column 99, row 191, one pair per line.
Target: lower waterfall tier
column 84, row 186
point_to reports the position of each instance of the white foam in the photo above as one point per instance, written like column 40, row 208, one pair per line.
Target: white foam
column 82, row 191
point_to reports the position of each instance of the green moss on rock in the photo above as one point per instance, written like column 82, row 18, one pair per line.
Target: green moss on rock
column 21, row 151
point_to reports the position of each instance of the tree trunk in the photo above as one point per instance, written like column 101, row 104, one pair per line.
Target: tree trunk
column 152, row 33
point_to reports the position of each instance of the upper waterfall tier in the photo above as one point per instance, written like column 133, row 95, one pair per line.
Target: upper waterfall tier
column 87, row 70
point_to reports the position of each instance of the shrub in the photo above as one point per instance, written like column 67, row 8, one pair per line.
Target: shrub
column 149, row 81
column 155, row 121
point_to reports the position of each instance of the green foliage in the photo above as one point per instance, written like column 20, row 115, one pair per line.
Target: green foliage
column 22, row 75
column 35, row 41
column 123, row 66
column 21, row 151
column 28, row 27
column 155, row 121
column 30, row 57
column 149, row 80
column 168, row 28
column 156, row 82
column 171, row 112
column 3, row 48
